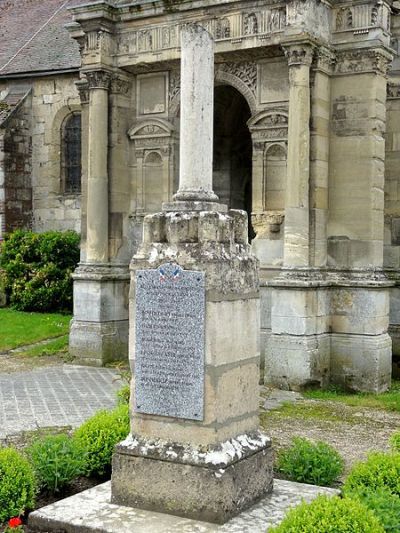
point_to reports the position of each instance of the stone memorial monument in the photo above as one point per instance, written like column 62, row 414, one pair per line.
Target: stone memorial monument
column 195, row 449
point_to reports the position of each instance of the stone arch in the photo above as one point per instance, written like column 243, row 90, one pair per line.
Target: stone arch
column 55, row 144
column 221, row 78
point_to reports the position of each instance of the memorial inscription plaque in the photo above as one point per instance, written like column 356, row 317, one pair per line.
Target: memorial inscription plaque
column 169, row 359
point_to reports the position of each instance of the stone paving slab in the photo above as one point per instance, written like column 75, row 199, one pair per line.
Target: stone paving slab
column 56, row 396
column 91, row 510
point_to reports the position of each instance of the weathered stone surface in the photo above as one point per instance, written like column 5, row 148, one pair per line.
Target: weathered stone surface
column 211, row 485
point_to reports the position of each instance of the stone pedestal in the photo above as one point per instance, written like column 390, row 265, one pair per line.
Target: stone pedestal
column 214, row 467
column 99, row 328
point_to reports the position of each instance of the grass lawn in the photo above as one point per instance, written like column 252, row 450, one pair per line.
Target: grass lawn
column 18, row 329
column 390, row 401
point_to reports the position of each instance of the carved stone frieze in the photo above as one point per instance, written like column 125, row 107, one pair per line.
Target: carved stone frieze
column 363, row 60
column 234, row 26
column 98, row 79
column 268, row 126
column 268, row 221
column 362, row 17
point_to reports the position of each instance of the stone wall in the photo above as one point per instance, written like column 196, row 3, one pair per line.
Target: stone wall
column 17, row 149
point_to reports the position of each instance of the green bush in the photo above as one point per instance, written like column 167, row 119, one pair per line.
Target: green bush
column 37, row 269
column 99, row 435
column 124, row 395
column 395, row 442
column 306, row 462
column 384, row 504
column 329, row 515
column 379, row 470
column 56, row 460
column 17, row 484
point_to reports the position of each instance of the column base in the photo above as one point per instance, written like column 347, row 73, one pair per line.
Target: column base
column 99, row 329
column 211, row 484
column 96, row 344
column 296, row 362
column 361, row 363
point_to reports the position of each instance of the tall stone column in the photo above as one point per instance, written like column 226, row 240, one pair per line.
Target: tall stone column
column 297, row 216
column 197, row 115
column 97, row 187
column 99, row 329
column 195, row 449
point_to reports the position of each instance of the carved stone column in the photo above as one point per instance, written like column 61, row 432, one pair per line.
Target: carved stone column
column 297, row 221
column 97, row 190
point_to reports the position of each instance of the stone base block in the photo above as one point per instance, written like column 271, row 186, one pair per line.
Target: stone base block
column 295, row 362
column 361, row 362
column 98, row 343
column 212, row 484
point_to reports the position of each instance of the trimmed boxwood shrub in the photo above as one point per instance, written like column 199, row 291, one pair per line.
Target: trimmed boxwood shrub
column 56, row 460
column 330, row 515
column 384, row 504
column 17, row 484
column 37, row 269
column 99, row 435
column 380, row 470
column 307, row 462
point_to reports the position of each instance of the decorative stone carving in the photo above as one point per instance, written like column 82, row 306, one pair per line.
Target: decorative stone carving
column 150, row 129
column 98, row 79
column 245, row 71
column 371, row 60
column 268, row 125
column 83, row 90
column 174, row 84
column 120, row 85
column 393, row 90
column 223, row 29
column 324, row 60
column 268, row 221
column 299, row 54
column 250, row 24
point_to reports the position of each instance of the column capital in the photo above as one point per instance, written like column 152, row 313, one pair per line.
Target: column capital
column 83, row 90
column 98, row 79
column 324, row 60
column 300, row 53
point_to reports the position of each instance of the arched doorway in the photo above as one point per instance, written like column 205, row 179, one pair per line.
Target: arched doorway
column 232, row 163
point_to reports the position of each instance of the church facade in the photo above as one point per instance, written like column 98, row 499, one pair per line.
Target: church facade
column 306, row 140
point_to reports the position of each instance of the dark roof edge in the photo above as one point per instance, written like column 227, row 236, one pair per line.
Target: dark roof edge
column 37, row 74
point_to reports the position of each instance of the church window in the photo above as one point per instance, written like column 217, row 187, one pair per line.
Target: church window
column 71, row 167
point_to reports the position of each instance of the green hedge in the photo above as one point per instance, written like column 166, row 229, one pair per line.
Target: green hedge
column 330, row 515
column 17, row 484
column 36, row 269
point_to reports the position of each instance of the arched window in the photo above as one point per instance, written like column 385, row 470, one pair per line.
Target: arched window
column 71, row 154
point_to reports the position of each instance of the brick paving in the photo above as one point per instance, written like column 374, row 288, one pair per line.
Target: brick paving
column 56, row 396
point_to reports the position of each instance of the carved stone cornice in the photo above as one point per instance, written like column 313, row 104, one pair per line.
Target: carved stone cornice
column 98, row 79
column 120, row 85
column 362, row 60
column 299, row 53
column 324, row 60
column 83, row 90
column 393, row 90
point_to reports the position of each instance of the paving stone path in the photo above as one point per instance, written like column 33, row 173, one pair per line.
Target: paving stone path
column 55, row 396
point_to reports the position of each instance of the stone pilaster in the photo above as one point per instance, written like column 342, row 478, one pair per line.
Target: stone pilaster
column 297, row 216
column 2, row 187
column 83, row 88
